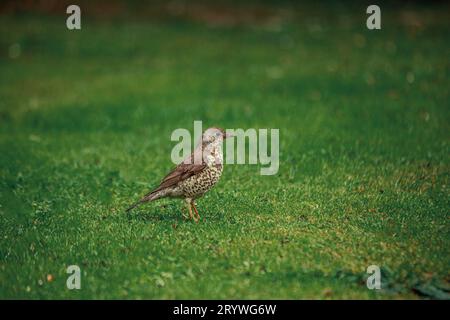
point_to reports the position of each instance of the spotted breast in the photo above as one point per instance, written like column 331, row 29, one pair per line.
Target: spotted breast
column 197, row 185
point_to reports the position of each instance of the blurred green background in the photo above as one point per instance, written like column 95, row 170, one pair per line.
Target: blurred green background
column 85, row 124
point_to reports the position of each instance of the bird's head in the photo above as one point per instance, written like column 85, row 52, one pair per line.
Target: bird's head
column 214, row 136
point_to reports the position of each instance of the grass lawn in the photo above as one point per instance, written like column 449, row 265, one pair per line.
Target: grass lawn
column 85, row 124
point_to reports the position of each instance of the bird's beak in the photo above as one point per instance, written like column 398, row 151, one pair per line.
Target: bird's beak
column 228, row 135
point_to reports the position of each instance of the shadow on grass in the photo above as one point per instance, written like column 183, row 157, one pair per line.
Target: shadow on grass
column 165, row 213
column 172, row 212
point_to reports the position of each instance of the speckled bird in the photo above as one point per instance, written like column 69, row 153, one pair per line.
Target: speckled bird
column 195, row 176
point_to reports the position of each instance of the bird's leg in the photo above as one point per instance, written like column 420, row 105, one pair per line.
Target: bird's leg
column 191, row 216
column 196, row 212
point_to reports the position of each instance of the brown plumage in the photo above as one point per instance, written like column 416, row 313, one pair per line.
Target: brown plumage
column 196, row 175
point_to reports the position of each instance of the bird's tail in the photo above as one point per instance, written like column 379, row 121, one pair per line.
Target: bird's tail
column 134, row 205
column 154, row 195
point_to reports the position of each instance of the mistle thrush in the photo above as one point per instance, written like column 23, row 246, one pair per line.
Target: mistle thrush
column 196, row 175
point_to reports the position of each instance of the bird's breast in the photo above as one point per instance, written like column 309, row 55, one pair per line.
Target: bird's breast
column 202, row 182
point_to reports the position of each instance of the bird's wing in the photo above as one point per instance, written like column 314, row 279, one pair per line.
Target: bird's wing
column 180, row 173
column 184, row 170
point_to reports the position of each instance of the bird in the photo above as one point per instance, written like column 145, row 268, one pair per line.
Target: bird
column 194, row 176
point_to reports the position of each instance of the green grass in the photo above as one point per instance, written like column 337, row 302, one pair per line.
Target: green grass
column 85, row 124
